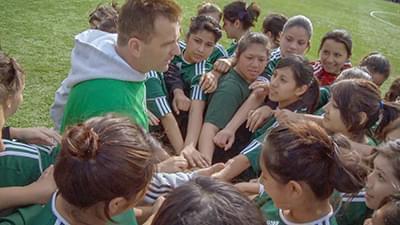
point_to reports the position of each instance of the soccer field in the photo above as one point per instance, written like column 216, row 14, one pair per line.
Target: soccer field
column 39, row 33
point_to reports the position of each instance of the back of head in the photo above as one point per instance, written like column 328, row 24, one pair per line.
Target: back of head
column 101, row 150
column 238, row 10
column 375, row 62
column 303, row 75
column 353, row 73
column 303, row 151
column 209, row 8
column 274, row 23
column 390, row 212
column 104, row 18
column 391, row 151
column 207, row 202
column 137, row 18
column 206, row 23
column 299, row 21
column 11, row 77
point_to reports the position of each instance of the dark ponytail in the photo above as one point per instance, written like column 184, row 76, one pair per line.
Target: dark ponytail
column 237, row 10
column 303, row 151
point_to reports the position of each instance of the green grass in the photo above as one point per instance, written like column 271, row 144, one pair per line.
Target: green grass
column 39, row 33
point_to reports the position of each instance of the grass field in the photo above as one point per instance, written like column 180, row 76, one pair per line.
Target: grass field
column 39, row 33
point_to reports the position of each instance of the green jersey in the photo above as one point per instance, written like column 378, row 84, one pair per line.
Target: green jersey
column 324, row 96
column 218, row 52
column 231, row 50
column 274, row 59
column 101, row 96
column 156, row 94
column 352, row 209
column 191, row 74
column 275, row 215
column 231, row 93
column 51, row 216
column 22, row 164
column 22, row 216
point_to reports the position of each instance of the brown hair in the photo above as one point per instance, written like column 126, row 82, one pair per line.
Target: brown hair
column 252, row 38
column 393, row 93
column 208, row 7
column 391, row 212
column 137, row 18
column 237, row 10
column 391, row 151
column 355, row 96
column 353, row 73
column 340, row 36
column 11, row 76
column 375, row 62
column 206, row 23
column 303, row 75
column 101, row 150
column 274, row 23
column 208, row 202
column 303, row 151
column 107, row 17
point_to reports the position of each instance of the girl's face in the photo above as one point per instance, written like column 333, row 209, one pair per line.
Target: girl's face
column 294, row 40
column 381, row 182
column 277, row 191
column 199, row 46
column 283, row 88
column 332, row 120
column 230, row 28
column 378, row 78
column 252, row 62
column 333, row 56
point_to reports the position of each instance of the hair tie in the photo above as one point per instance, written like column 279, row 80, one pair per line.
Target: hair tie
column 381, row 104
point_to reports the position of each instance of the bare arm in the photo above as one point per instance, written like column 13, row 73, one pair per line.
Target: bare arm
column 195, row 122
column 173, row 133
column 206, row 144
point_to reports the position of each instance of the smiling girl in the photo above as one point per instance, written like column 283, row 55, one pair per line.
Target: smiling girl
column 334, row 54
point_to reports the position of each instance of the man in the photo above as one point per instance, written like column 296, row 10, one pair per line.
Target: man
column 108, row 70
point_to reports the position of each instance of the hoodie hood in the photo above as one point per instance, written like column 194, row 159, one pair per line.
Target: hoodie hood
column 93, row 57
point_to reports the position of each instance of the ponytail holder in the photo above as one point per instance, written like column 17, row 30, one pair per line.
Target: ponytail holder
column 381, row 104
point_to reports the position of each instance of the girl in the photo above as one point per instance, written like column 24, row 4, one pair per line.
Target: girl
column 293, row 87
column 252, row 57
column 210, row 9
column 204, row 32
column 378, row 66
column 206, row 201
column 388, row 214
column 21, row 164
column 238, row 19
column 384, row 180
column 296, row 36
column 355, row 118
column 334, row 54
column 85, row 166
column 272, row 28
column 301, row 168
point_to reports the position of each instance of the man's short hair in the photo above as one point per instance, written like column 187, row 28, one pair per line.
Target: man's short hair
column 137, row 18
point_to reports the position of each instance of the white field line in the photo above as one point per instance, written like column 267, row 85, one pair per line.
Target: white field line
column 372, row 14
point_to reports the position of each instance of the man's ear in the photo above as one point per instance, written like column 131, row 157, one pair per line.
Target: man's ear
column 135, row 47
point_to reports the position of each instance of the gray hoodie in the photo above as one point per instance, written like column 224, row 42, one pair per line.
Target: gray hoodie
column 93, row 57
